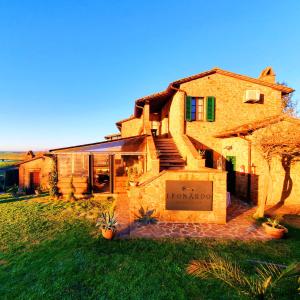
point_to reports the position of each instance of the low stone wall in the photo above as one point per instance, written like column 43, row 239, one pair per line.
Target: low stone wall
column 80, row 185
column 152, row 195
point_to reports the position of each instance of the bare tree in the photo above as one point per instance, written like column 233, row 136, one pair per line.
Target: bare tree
column 277, row 142
column 289, row 104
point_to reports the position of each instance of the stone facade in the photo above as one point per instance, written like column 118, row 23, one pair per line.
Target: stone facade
column 152, row 195
column 132, row 127
column 231, row 110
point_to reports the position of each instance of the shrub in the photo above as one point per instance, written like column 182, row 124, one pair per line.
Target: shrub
column 53, row 179
column 13, row 190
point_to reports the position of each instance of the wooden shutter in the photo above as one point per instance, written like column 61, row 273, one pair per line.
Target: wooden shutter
column 188, row 108
column 210, row 108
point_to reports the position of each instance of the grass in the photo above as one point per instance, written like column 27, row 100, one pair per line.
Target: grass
column 51, row 250
column 13, row 157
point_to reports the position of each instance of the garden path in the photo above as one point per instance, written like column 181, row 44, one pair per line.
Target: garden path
column 240, row 225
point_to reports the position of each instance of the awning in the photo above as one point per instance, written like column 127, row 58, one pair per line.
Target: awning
column 126, row 146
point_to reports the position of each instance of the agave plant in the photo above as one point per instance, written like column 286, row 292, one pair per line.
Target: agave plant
column 260, row 286
column 145, row 216
column 107, row 221
column 275, row 223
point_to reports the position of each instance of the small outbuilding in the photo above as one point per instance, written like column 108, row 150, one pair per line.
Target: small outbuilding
column 34, row 173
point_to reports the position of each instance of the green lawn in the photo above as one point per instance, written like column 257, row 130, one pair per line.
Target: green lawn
column 50, row 250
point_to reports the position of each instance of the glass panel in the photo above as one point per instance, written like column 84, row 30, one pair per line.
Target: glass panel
column 193, row 109
column 135, row 144
column 72, row 164
column 200, row 108
column 101, row 173
column 80, row 165
column 128, row 168
column 64, row 165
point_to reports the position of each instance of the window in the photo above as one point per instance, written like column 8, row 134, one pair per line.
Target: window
column 194, row 108
column 200, row 109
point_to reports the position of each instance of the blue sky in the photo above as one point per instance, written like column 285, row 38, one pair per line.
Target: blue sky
column 70, row 69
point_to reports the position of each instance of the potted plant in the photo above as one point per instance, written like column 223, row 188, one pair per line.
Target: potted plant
column 108, row 224
column 38, row 191
column 273, row 228
column 202, row 153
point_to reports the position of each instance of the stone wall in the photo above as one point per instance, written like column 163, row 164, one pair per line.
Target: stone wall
column 79, row 185
column 152, row 195
column 230, row 111
column 132, row 127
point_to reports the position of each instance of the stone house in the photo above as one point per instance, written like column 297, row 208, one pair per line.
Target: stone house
column 34, row 172
column 172, row 154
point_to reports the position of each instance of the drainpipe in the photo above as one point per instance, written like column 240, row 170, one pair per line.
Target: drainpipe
column 177, row 89
column 142, row 108
column 249, row 166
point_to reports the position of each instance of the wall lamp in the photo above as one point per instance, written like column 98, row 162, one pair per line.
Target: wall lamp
column 228, row 147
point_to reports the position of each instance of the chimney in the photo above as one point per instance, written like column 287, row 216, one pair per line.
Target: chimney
column 267, row 75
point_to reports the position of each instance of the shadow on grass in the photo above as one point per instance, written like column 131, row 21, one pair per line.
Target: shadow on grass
column 10, row 198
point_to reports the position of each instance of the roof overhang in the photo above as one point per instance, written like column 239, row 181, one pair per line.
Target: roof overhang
column 248, row 128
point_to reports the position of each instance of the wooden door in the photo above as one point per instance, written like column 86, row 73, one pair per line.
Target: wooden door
column 34, row 180
column 101, row 173
column 231, row 169
column 209, row 158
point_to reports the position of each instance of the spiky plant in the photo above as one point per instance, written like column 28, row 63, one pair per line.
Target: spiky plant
column 145, row 216
column 259, row 286
column 107, row 221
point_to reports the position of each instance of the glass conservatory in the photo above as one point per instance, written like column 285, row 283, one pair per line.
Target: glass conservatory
column 104, row 167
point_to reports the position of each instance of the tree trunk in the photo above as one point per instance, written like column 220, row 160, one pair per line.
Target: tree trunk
column 260, row 211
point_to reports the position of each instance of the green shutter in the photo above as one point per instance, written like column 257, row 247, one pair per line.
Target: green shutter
column 210, row 109
column 188, row 108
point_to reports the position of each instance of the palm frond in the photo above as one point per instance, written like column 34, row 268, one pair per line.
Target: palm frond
column 258, row 286
column 223, row 269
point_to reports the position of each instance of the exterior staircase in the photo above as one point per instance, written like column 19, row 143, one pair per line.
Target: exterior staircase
column 170, row 158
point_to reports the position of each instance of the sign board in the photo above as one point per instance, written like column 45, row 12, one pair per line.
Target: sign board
column 189, row 195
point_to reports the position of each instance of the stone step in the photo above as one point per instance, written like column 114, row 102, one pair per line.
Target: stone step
column 172, row 165
column 171, row 168
column 170, row 156
column 167, row 148
column 175, row 160
column 164, row 143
